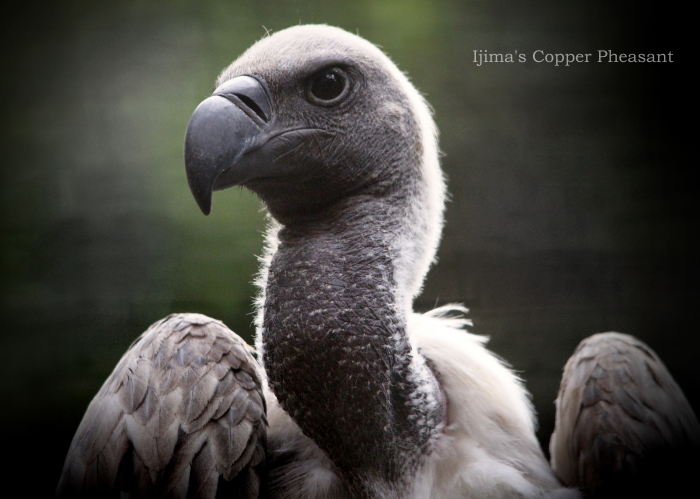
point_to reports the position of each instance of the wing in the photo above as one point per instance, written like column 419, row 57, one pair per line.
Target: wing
column 623, row 425
column 182, row 415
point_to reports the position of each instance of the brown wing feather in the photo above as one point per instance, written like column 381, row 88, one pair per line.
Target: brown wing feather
column 623, row 425
column 182, row 415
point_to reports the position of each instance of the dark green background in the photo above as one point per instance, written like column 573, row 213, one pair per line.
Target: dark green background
column 573, row 211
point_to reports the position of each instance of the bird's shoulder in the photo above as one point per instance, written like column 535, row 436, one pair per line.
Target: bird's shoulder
column 618, row 411
column 183, row 413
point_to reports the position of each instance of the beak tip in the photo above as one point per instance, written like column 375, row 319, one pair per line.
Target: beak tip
column 203, row 200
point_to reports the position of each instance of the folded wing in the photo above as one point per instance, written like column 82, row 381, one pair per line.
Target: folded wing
column 182, row 415
column 623, row 425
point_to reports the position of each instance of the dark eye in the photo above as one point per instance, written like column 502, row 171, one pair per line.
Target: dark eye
column 327, row 87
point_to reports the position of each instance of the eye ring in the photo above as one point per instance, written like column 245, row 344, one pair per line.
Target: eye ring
column 328, row 87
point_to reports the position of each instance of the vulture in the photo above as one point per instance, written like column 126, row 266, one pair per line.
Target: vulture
column 348, row 393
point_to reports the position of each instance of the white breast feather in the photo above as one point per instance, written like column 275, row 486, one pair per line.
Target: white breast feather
column 488, row 448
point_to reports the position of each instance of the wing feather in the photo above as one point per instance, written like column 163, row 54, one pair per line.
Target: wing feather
column 623, row 425
column 182, row 412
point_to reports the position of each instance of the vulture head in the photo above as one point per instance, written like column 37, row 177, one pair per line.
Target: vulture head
column 314, row 119
column 342, row 150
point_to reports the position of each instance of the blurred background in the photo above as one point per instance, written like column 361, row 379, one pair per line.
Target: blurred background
column 573, row 200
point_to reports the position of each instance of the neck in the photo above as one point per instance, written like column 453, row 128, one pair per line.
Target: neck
column 335, row 346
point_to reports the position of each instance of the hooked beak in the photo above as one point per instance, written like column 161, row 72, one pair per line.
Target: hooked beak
column 222, row 129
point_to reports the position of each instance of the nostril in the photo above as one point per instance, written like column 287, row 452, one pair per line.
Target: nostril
column 249, row 95
column 253, row 106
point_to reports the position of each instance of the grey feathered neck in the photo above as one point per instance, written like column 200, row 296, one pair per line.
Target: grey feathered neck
column 336, row 351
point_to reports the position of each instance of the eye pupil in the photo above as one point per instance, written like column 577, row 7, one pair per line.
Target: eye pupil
column 328, row 85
